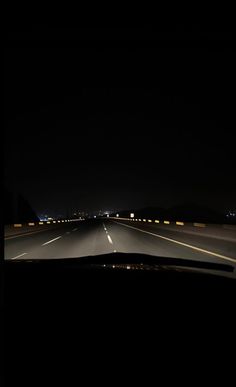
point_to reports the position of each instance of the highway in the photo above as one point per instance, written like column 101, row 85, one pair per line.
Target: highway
column 103, row 236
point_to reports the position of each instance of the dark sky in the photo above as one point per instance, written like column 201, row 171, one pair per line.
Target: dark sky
column 108, row 118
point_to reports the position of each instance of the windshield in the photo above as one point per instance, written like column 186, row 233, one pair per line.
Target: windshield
column 119, row 140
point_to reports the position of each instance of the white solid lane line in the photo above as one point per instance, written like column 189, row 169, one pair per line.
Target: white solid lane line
column 52, row 240
column 75, row 229
column 180, row 243
column 67, row 232
column 18, row 256
column 110, row 240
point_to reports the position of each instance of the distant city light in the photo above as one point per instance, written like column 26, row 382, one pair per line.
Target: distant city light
column 132, row 215
column 231, row 214
column 43, row 217
column 117, row 215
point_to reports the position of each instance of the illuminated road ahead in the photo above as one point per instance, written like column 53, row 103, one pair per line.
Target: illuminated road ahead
column 102, row 236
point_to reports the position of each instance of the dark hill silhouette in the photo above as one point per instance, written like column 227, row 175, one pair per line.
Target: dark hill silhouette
column 151, row 212
column 191, row 212
column 25, row 211
column 188, row 212
column 9, row 207
column 17, row 209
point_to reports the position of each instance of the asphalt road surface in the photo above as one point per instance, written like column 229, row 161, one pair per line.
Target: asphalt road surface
column 102, row 236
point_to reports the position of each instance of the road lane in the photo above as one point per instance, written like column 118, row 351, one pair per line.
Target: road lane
column 96, row 237
column 88, row 238
column 28, row 242
column 165, row 247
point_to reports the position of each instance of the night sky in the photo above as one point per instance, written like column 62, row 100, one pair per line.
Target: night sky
column 112, row 118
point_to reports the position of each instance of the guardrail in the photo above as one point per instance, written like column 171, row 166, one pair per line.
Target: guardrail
column 33, row 227
column 30, row 224
column 177, row 223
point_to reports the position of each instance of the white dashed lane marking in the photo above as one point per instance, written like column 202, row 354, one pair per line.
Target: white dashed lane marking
column 52, row 240
column 108, row 237
column 18, row 256
column 110, row 240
